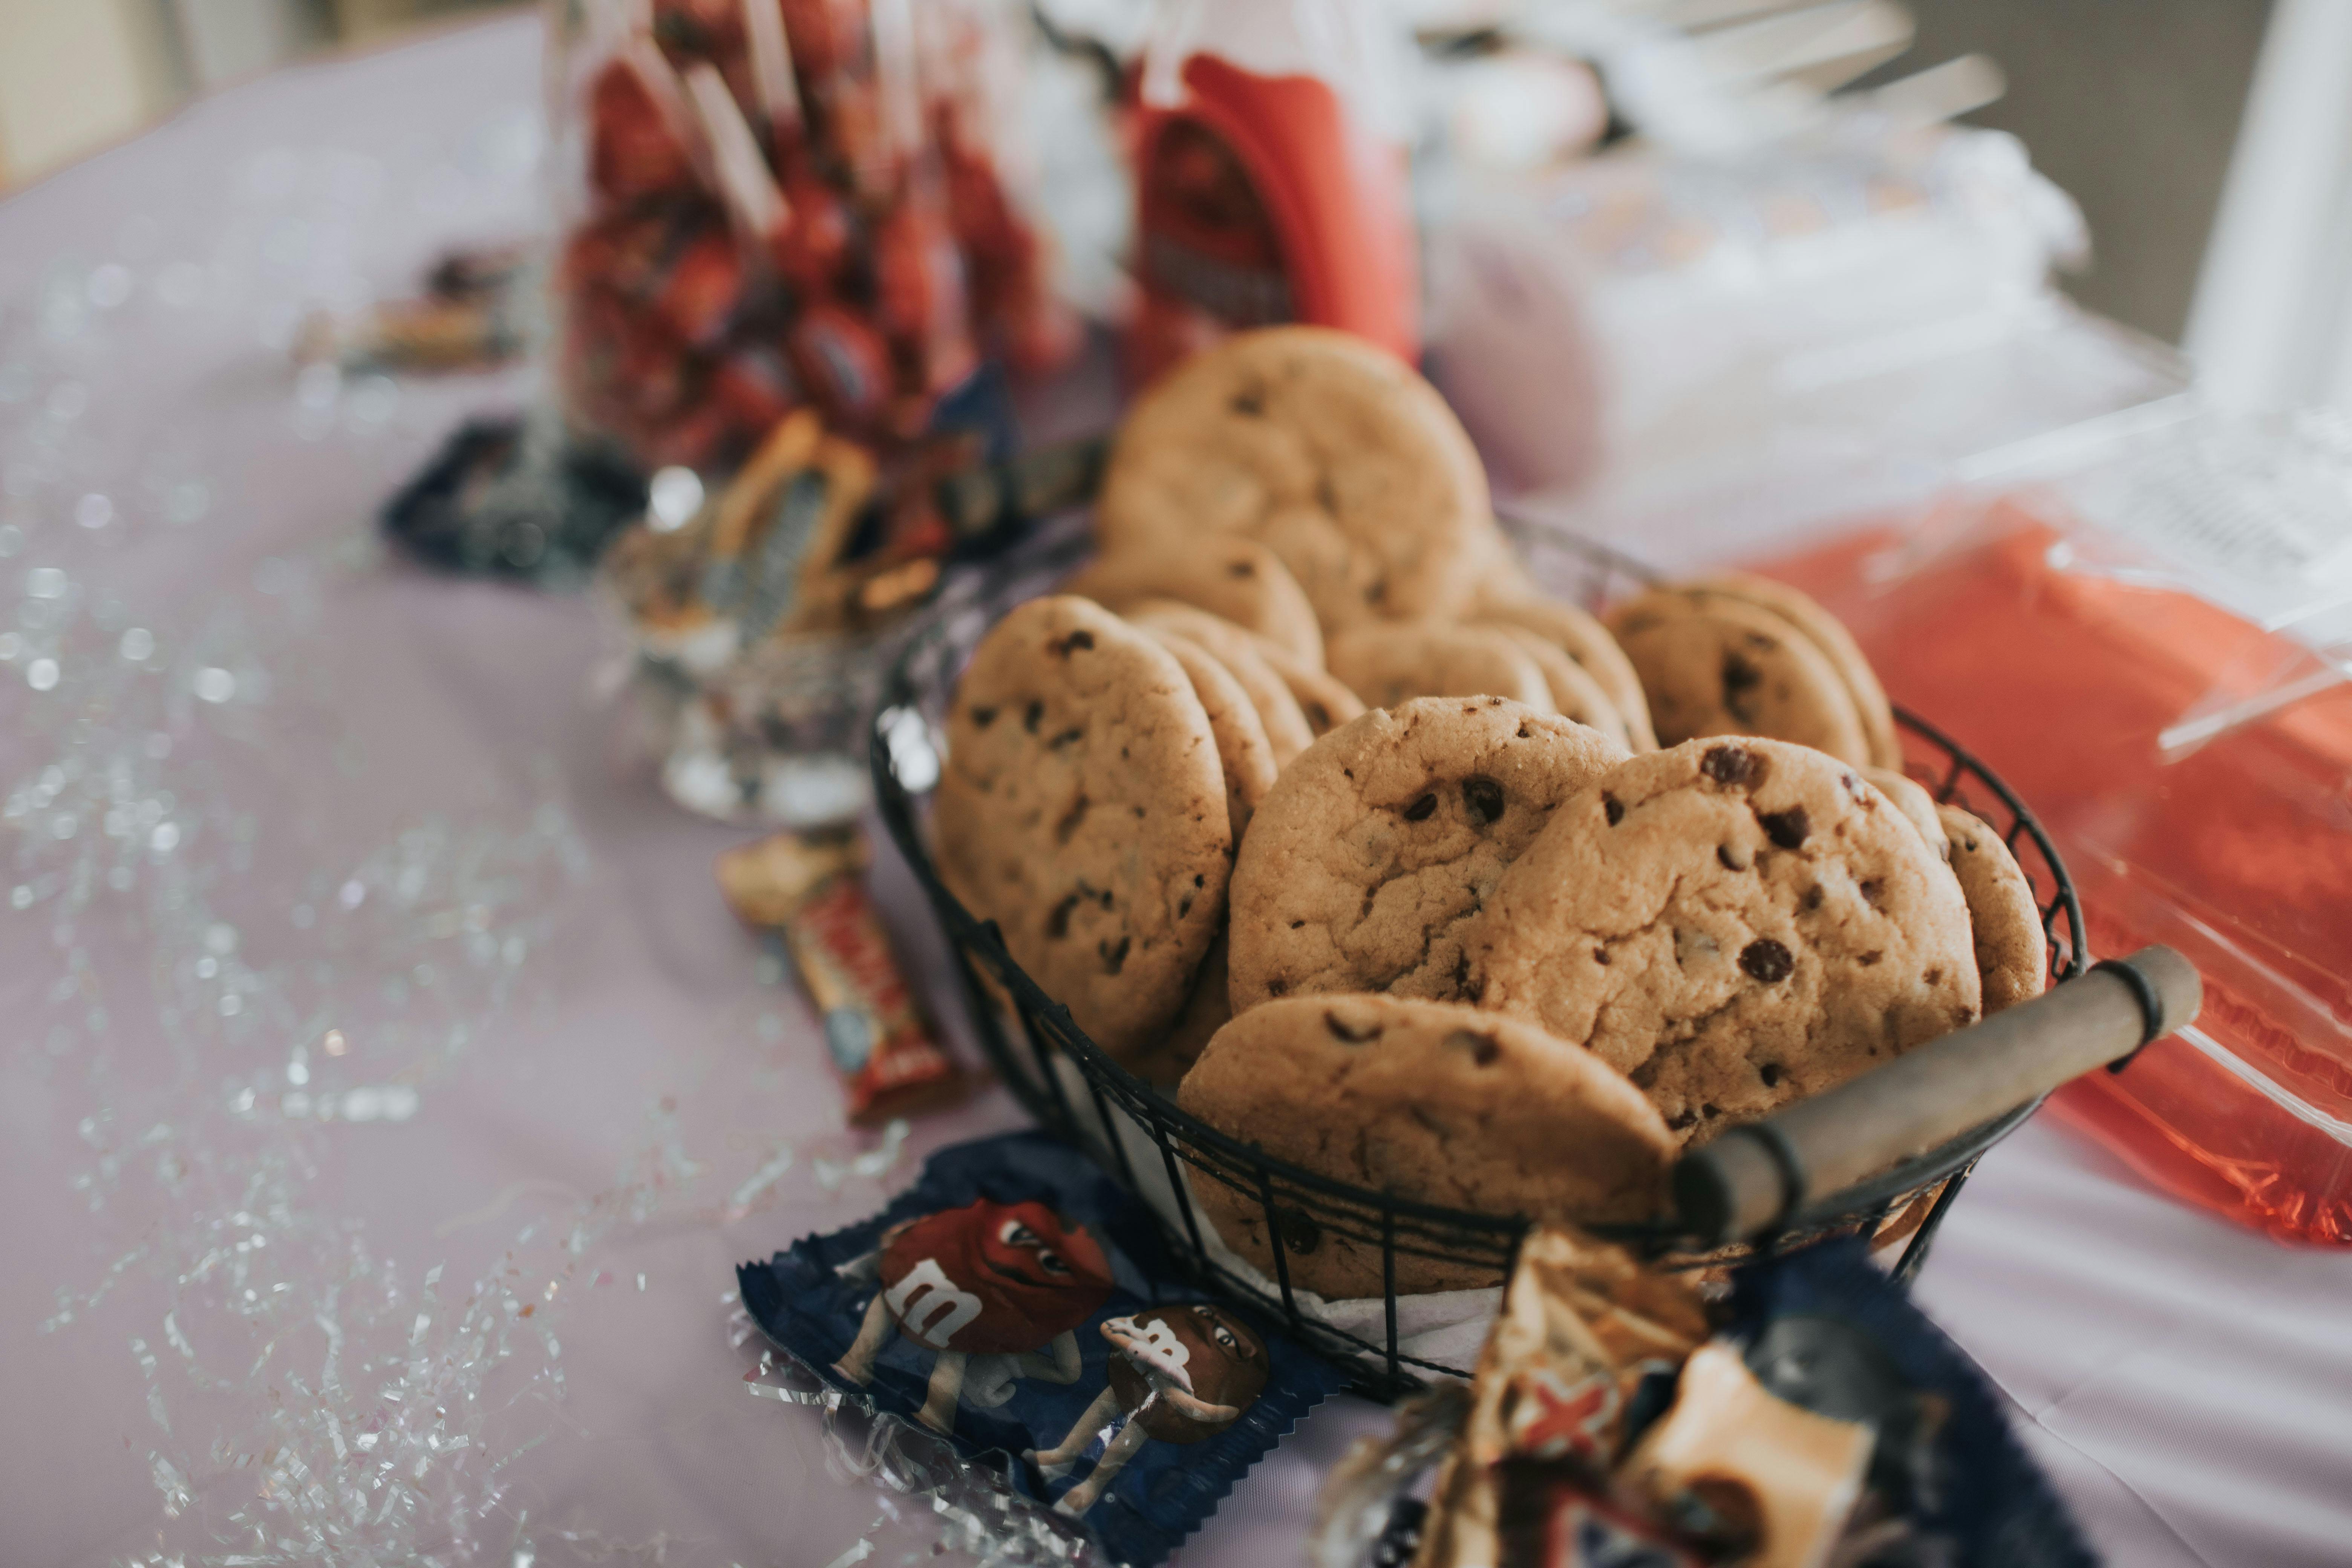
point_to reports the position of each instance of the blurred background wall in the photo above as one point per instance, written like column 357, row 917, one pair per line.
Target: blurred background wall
column 76, row 75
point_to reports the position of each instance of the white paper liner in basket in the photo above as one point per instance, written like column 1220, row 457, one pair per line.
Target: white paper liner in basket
column 1441, row 1326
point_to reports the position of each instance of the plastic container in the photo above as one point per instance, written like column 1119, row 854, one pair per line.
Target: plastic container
column 1267, row 187
column 2147, row 630
column 769, row 204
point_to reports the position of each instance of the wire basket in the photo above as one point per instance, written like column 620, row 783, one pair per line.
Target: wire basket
column 1141, row 1137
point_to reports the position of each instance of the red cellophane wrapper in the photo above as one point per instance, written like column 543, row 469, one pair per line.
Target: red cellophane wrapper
column 808, row 890
column 2193, row 761
column 772, row 204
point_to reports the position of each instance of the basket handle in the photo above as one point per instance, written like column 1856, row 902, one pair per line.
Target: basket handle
column 1751, row 1179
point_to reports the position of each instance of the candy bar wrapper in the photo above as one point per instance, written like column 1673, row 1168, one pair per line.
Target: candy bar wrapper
column 1947, row 1482
column 807, row 891
column 1813, row 1418
column 1019, row 1301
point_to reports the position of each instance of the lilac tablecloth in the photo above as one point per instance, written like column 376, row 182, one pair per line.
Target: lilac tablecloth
column 387, row 1093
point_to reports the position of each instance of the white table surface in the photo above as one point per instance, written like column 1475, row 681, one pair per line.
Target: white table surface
column 550, row 1017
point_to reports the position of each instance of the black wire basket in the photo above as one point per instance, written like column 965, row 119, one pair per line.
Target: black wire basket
column 1140, row 1136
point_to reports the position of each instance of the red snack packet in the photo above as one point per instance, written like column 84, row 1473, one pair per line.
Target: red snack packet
column 1262, row 192
column 809, row 891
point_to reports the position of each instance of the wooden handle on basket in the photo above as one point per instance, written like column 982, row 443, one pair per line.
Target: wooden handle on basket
column 1750, row 1179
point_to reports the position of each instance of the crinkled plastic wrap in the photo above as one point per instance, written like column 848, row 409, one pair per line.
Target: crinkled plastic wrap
column 1687, row 353
column 1016, row 1302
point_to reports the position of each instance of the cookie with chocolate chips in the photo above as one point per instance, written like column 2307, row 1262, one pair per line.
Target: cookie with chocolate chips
column 1334, row 455
column 1718, row 666
column 1429, row 1101
column 1243, row 750
column 1387, row 665
column 2012, row 947
column 1734, row 923
column 1376, row 846
column 1505, row 599
column 1083, row 809
column 1251, row 661
column 1224, row 575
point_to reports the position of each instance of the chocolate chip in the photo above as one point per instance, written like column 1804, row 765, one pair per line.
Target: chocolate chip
column 1063, row 647
column 1770, row 1073
column 1241, row 571
column 1788, row 828
column 1931, row 977
column 1295, row 924
column 1071, row 819
column 1601, row 956
column 1199, row 880
column 983, row 717
column 1680, row 1119
column 1613, row 808
column 1184, row 906
column 1065, row 738
column 1740, row 680
column 1421, row 807
column 1812, row 899
column 1870, row 959
column 1250, row 401
column 1767, row 960
column 1524, row 731
column 1300, row 1235
column 1114, row 958
column 1325, row 496
column 1731, row 765
column 1032, row 716
column 1484, row 1049
column 1710, row 1111
column 1353, row 1033
column 1483, row 799
column 1871, row 890
column 1058, row 924
column 1277, row 987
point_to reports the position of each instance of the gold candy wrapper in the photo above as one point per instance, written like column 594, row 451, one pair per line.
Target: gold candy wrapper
column 808, row 891
column 1605, row 1427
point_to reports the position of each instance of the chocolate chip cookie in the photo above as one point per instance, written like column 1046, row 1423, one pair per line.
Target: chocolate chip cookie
column 1249, row 660
column 1224, row 575
column 1322, row 702
column 1243, row 750
column 1386, row 664
column 1827, row 633
column 1734, row 923
column 1377, row 845
column 1910, row 797
column 1574, row 694
column 2012, row 947
column 1083, row 809
column 1332, row 454
column 1429, row 1101
column 1715, row 665
column 1583, row 639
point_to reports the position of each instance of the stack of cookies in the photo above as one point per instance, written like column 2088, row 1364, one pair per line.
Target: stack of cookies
column 1305, row 805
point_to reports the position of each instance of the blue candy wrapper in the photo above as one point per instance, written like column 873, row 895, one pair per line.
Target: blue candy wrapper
column 1825, row 1330
column 1019, row 1301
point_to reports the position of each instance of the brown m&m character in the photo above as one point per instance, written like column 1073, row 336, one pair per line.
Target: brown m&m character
column 1181, row 1372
